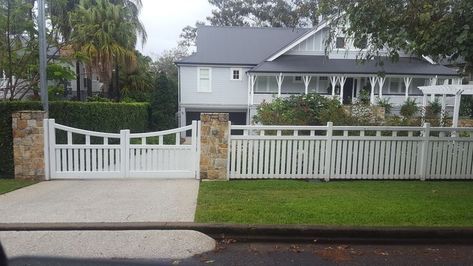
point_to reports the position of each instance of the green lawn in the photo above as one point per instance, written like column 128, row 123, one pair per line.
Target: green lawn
column 7, row 185
column 358, row 203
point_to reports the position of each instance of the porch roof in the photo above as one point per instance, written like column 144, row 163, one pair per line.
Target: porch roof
column 308, row 64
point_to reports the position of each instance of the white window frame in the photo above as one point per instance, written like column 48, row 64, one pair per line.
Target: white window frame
column 240, row 73
column 344, row 42
column 298, row 81
column 400, row 86
column 199, row 89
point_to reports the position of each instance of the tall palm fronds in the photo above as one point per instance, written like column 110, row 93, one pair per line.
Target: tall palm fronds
column 105, row 34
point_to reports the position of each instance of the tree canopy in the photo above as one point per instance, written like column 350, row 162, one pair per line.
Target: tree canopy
column 257, row 13
column 442, row 29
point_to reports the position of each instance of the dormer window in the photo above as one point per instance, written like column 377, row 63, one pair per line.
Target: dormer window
column 340, row 43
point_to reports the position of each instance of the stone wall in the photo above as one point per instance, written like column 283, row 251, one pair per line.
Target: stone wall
column 28, row 144
column 214, row 146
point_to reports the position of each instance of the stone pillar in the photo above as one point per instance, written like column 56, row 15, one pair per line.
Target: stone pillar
column 214, row 146
column 28, row 144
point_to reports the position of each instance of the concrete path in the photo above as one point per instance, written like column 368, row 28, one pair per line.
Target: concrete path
column 101, row 201
column 141, row 245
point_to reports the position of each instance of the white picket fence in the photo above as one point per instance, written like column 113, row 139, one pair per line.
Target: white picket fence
column 87, row 154
column 328, row 152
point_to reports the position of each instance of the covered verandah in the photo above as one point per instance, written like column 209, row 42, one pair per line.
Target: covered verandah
column 345, row 78
column 345, row 87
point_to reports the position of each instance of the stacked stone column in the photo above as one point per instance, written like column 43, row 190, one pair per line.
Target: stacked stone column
column 28, row 145
column 214, row 146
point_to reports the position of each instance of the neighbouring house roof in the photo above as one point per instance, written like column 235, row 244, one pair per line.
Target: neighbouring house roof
column 239, row 45
column 308, row 64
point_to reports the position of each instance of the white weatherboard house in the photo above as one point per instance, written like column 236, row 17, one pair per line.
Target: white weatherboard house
column 237, row 68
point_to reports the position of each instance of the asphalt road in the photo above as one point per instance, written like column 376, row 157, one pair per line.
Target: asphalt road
column 229, row 253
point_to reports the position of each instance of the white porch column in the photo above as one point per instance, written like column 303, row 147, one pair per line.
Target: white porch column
column 249, row 91
column 373, row 86
column 407, row 83
column 279, row 80
column 381, row 81
column 433, row 82
column 456, row 108
column 358, row 87
column 252, row 91
column 306, row 83
column 333, row 81
column 342, row 80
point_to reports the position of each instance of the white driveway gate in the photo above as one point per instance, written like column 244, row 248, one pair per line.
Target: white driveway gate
column 76, row 153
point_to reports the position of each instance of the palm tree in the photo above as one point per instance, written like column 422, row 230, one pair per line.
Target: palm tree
column 106, row 34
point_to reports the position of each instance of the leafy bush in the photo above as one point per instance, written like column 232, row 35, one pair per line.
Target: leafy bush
column 432, row 113
column 310, row 109
column 409, row 108
column 55, row 93
column 466, row 107
column 363, row 114
column 105, row 117
column 365, row 97
column 386, row 105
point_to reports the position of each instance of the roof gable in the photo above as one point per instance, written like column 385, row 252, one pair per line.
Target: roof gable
column 298, row 41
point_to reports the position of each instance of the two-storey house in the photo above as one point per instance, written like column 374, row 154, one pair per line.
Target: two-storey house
column 234, row 69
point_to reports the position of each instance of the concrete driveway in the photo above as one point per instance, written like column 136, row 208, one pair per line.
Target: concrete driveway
column 101, row 201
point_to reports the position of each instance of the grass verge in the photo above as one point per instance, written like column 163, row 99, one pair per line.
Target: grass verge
column 8, row 185
column 352, row 203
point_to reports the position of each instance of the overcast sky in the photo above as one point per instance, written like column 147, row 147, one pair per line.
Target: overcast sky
column 164, row 20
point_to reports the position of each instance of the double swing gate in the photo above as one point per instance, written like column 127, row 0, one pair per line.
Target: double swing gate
column 73, row 153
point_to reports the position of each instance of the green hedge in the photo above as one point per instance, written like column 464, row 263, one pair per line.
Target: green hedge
column 96, row 116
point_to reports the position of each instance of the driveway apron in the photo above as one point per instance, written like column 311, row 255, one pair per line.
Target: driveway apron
column 75, row 201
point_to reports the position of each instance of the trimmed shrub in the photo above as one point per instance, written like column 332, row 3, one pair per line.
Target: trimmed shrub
column 310, row 109
column 104, row 117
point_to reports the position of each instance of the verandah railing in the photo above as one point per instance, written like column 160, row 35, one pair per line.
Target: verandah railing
column 334, row 152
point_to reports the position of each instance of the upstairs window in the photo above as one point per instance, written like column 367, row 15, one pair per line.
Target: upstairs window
column 340, row 43
column 204, row 80
column 235, row 74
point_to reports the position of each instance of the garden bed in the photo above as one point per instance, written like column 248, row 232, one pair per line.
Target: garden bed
column 356, row 203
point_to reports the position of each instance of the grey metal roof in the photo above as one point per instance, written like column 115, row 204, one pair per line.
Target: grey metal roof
column 322, row 64
column 239, row 45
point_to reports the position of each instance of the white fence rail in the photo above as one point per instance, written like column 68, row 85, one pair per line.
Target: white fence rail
column 328, row 152
column 77, row 153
